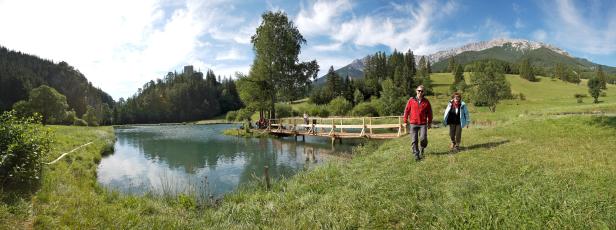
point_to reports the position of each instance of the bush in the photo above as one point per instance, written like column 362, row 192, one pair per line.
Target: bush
column 580, row 97
column 522, row 97
column 23, row 144
column 231, row 115
column 80, row 122
column 339, row 106
column 283, row 110
column 244, row 114
column 365, row 109
column 70, row 118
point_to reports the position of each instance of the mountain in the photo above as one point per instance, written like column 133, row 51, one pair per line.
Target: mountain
column 20, row 73
column 353, row 70
column 508, row 50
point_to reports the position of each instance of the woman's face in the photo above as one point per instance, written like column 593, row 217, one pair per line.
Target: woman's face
column 456, row 98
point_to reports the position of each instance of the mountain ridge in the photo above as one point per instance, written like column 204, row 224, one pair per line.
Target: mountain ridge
column 517, row 48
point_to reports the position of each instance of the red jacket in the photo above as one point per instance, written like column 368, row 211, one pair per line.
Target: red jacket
column 420, row 114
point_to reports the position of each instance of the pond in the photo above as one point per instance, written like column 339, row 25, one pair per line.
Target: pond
column 198, row 158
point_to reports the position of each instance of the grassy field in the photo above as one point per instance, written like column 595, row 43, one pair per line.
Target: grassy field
column 524, row 166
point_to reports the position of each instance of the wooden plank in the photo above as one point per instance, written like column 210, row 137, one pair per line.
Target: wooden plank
column 383, row 126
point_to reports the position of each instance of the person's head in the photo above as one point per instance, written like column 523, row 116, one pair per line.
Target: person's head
column 456, row 96
column 420, row 91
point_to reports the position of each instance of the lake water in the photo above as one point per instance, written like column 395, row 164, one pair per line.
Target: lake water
column 198, row 158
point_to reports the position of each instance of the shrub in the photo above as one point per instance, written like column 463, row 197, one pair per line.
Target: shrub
column 283, row 110
column 23, row 144
column 231, row 115
column 70, row 118
column 522, row 97
column 580, row 97
column 244, row 114
column 339, row 106
column 365, row 109
column 80, row 122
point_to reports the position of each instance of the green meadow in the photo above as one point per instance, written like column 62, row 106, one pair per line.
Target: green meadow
column 543, row 162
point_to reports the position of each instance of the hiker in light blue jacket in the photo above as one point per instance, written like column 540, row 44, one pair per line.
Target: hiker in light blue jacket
column 457, row 117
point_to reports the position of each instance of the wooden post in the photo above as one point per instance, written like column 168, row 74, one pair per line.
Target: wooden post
column 341, row 130
column 370, row 125
column 267, row 178
column 399, row 126
column 363, row 129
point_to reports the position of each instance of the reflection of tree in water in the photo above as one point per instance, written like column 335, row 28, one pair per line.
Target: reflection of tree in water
column 192, row 152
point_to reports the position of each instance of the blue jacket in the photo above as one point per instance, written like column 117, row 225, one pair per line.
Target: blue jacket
column 465, row 118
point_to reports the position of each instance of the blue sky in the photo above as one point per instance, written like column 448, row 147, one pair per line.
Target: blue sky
column 120, row 45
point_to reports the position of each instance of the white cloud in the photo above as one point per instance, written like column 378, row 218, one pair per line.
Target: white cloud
column 232, row 54
column 540, row 35
column 585, row 33
column 518, row 24
column 328, row 47
column 118, row 45
column 496, row 29
column 321, row 17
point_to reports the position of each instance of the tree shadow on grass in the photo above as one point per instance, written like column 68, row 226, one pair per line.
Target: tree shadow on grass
column 487, row 145
column 605, row 121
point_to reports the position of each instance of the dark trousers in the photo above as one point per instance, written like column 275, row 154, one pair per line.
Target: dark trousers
column 455, row 133
column 422, row 130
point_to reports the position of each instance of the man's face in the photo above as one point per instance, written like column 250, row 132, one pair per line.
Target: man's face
column 420, row 92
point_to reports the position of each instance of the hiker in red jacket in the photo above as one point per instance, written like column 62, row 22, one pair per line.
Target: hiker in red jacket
column 420, row 112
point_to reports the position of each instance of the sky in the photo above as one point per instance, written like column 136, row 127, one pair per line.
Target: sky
column 120, row 45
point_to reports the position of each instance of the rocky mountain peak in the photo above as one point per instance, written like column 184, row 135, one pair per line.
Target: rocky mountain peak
column 517, row 44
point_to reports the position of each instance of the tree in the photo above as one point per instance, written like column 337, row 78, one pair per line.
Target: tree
column 277, row 44
column 490, row 86
column 423, row 67
column 560, row 72
column 358, row 97
column 526, row 70
column 90, row 116
column 339, row 106
column 451, row 67
column 594, row 88
column 392, row 100
column 333, row 83
column 459, row 84
column 47, row 102
column 602, row 77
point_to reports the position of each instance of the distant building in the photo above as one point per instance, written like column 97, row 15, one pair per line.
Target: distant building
column 188, row 70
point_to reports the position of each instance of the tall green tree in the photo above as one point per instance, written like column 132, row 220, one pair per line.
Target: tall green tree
column 277, row 44
column 560, row 72
column 602, row 77
column 594, row 88
column 392, row 100
column 490, row 86
column 333, row 83
column 47, row 102
column 459, row 84
column 451, row 65
column 526, row 70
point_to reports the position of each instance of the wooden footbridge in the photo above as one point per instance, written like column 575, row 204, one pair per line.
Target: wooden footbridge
column 338, row 128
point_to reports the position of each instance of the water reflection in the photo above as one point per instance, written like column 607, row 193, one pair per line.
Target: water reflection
column 180, row 158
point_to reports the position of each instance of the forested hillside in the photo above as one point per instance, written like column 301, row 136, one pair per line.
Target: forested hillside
column 178, row 98
column 20, row 73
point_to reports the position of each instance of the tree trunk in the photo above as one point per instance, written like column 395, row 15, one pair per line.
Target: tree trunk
column 273, row 107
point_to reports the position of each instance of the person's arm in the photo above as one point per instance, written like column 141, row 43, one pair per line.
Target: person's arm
column 467, row 115
column 407, row 111
column 429, row 115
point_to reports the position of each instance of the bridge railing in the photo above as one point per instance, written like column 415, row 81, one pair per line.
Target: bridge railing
column 361, row 126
